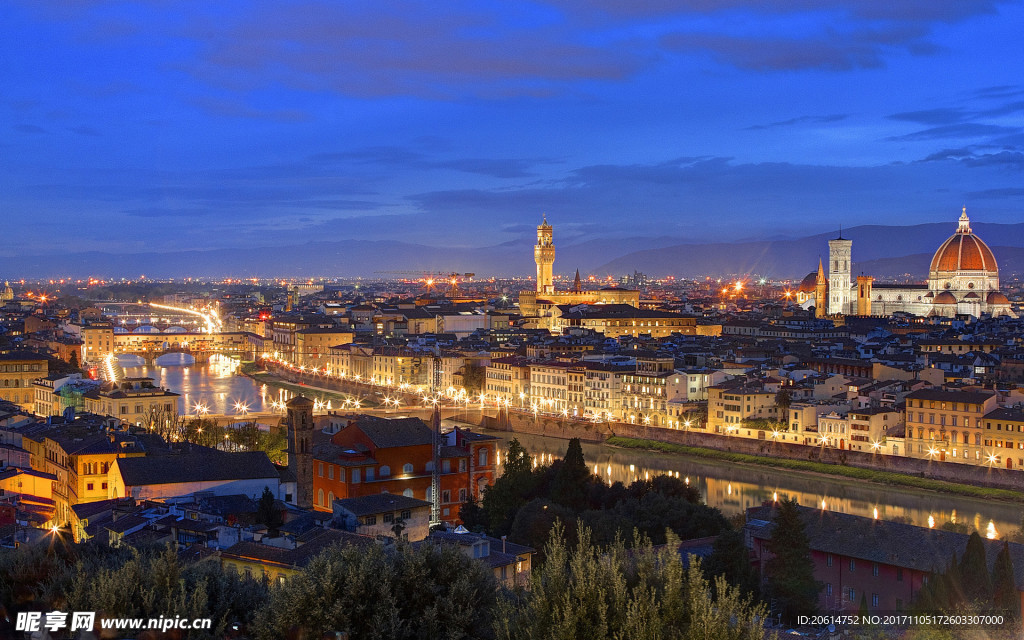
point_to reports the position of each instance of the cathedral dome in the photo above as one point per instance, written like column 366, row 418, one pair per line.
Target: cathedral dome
column 808, row 284
column 945, row 298
column 964, row 251
column 997, row 298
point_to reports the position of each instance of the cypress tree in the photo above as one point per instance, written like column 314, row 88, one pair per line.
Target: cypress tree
column 569, row 487
column 1004, row 585
column 790, row 572
column 975, row 581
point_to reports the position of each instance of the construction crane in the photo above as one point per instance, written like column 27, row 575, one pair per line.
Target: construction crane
column 430, row 278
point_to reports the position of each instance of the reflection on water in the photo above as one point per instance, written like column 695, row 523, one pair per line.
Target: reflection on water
column 215, row 386
column 733, row 488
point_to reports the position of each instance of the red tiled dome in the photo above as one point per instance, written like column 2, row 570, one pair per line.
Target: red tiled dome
column 997, row 298
column 808, row 284
column 945, row 298
column 964, row 251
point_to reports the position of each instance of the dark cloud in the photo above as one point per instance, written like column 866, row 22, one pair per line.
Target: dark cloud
column 413, row 48
column 963, row 130
column 800, row 120
column 932, row 116
column 834, row 53
column 1013, row 159
column 29, row 128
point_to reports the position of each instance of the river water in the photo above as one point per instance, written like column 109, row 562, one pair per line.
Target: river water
column 733, row 488
column 727, row 486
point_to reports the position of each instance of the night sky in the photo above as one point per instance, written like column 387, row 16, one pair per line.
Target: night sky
column 162, row 125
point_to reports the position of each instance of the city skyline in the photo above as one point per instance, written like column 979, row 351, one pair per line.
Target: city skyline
column 147, row 127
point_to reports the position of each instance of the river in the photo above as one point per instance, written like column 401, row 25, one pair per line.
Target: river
column 733, row 487
column 727, row 486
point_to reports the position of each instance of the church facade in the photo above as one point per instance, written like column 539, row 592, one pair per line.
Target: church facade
column 963, row 279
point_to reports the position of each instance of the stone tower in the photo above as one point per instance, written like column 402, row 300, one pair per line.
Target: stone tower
column 820, row 293
column 864, row 295
column 300, row 448
column 544, row 256
column 839, row 281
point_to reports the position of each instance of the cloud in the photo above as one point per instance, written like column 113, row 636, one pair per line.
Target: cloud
column 963, row 130
column 413, row 48
column 400, row 157
column 800, row 120
column 830, row 52
column 932, row 116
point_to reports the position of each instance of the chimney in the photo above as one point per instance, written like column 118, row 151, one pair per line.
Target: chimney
column 504, row 539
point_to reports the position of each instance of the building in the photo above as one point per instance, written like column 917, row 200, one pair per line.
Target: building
column 537, row 304
column 171, row 476
column 136, row 401
column 884, row 562
column 511, row 563
column 277, row 565
column 946, row 425
column 384, row 514
column 615, row 320
column 18, row 370
column 312, row 345
column 733, row 404
column 372, row 455
column 963, row 278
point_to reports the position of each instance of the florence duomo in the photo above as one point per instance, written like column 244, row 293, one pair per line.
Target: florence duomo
column 963, row 278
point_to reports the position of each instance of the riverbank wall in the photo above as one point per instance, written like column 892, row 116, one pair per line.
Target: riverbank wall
column 556, row 427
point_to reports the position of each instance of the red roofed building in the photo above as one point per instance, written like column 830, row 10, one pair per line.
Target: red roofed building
column 374, row 455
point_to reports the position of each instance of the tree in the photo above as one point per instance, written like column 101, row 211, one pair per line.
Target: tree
column 783, row 398
column 730, row 559
column 974, row 576
column 267, row 512
column 569, row 487
column 790, row 579
column 73, row 360
column 374, row 591
column 599, row 593
column 511, row 491
column 1006, row 598
column 472, row 515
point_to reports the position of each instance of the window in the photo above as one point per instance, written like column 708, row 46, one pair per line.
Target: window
column 899, row 576
column 407, row 468
column 446, row 496
column 330, row 499
column 874, row 569
column 88, row 486
column 385, row 471
column 389, row 518
column 828, row 588
column 828, row 560
column 370, row 520
column 406, row 514
column 462, row 495
column 483, row 458
column 462, row 465
column 320, row 497
column 446, row 466
column 330, row 471
column 408, row 494
column 320, row 469
column 370, row 474
column 874, row 599
column 355, row 476
column 853, row 594
column 104, row 485
column 853, row 564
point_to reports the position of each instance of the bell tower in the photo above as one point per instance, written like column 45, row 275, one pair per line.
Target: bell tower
column 840, row 283
column 544, row 256
column 300, row 448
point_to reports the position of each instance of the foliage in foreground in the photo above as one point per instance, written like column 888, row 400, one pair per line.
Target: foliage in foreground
column 643, row 593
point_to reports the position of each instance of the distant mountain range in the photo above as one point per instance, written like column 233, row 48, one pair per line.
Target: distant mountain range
column 881, row 251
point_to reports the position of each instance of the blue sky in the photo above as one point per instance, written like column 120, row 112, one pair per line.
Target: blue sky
column 160, row 125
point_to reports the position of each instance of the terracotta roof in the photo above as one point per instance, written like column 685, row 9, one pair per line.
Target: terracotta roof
column 964, row 252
